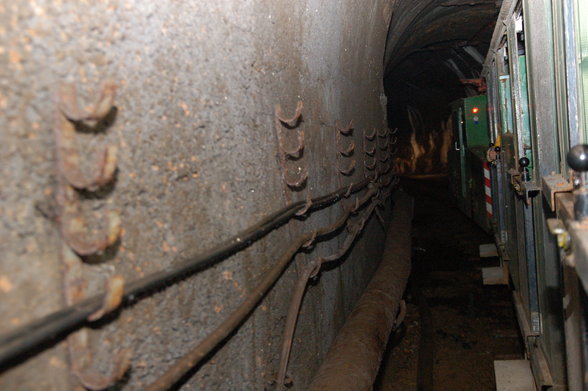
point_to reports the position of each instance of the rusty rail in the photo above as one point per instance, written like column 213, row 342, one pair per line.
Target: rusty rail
column 353, row 360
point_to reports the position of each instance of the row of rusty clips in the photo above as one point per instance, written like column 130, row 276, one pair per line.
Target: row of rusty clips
column 369, row 148
column 391, row 149
column 77, row 240
column 294, row 154
column 378, row 146
column 344, row 152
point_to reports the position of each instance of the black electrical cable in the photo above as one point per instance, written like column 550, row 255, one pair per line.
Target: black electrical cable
column 25, row 339
column 268, row 279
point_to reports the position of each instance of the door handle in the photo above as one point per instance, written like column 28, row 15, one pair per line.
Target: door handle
column 455, row 146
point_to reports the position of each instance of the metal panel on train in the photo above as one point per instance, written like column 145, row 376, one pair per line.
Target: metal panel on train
column 468, row 166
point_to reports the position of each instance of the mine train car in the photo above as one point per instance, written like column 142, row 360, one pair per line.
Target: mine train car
column 531, row 139
column 469, row 169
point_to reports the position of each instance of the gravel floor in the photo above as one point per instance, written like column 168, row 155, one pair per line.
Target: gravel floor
column 473, row 324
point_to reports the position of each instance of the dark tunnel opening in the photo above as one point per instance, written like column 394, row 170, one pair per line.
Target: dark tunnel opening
column 434, row 56
column 455, row 326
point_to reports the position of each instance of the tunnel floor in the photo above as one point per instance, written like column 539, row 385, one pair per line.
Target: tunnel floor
column 464, row 325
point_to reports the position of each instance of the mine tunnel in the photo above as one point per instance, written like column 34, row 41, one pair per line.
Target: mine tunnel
column 242, row 195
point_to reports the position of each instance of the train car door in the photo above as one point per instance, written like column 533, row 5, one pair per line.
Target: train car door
column 522, row 174
column 508, row 155
column 458, row 163
column 476, row 129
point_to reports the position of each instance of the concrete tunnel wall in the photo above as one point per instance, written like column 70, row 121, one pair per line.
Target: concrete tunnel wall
column 197, row 162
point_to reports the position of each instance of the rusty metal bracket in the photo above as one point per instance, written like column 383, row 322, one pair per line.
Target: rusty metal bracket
column 347, row 171
column 348, row 192
column 382, row 146
column 307, row 206
column 73, row 226
column 81, row 360
column 369, row 152
column 68, row 102
column 293, row 153
column 296, row 183
column 355, row 207
column 115, row 288
column 370, row 166
column 371, row 136
column 345, row 152
column 552, row 184
column 346, row 131
column 366, row 174
column 68, row 157
column 530, row 190
column 290, row 121
column 525, row 189
column 81, row 363
column 310, row 243
column 384, row 159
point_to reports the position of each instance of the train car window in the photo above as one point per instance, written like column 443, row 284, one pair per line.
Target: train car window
column 494, row 106
column 519, row 90
column 560, row 84
column 525, row 119
column 504, row 91
column 504, row 50
column 520, row 34
column 582, row 34
column 570, row 10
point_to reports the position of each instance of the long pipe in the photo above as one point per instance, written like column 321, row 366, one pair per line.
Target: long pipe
column 353, row 360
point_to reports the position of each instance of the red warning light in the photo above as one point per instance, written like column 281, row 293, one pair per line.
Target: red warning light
column 475, row 110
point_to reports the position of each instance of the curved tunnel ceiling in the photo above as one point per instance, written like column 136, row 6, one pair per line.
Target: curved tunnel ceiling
column 431, row 45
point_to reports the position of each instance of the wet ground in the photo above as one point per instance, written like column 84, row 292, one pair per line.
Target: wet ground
column 455, row 326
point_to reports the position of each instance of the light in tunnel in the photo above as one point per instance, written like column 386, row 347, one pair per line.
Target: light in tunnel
column 475, row 110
